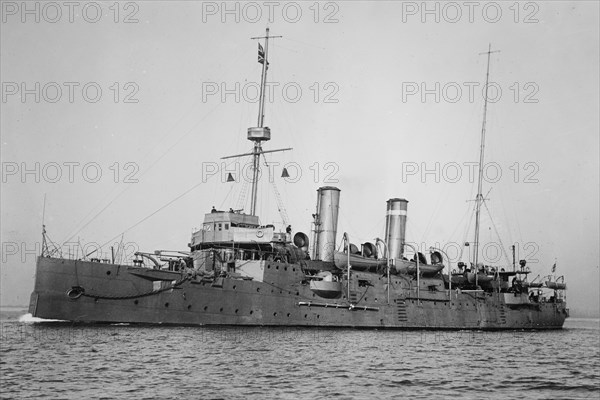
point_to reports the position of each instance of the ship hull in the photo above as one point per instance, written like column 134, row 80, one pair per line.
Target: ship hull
column 124, row 294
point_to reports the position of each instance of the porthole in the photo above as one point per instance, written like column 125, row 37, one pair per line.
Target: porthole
column 305, row 315
column 166, row 304
column 274, row 314
column 221, row 309
column 258, row 289
column 288, row 314
column 234, row 287
column 107, row 272
column 318, row 316
column 136, row 302
column 268, row 266
column 294, row 269
column 277, row 267
column 189, row 307
column 285, row 268
column 236, row 310
column 205, row 308
column 251, row 312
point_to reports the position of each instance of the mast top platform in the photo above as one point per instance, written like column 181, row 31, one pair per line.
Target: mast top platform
column 258, row 134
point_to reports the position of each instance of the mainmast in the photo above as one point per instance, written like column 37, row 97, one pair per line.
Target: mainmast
column 479, row 199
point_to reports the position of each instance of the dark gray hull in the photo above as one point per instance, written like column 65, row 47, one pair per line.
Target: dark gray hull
column 126, row 294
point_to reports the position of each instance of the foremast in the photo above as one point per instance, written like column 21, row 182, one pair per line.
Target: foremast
column 259, row 133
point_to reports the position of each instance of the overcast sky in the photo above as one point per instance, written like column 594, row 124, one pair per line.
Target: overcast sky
column 379, row 99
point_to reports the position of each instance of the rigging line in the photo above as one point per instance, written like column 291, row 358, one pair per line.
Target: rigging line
column 283, row 117
column 434, row 214
column 413, row 229
column 347, row 223
column 243, row 195
column 518, row 225
column 497, row 234
column 120, row 250
column 460, row 222
column 241, row 199
column 110, row 193
column 226, row 197
column 467, row 231
column 508, row 226
column 193, row 107
column 280, row 205
column 377, row 226
column 172, row 129
column 146, row 170
column 55, row 248
column 443, row 195
column 148, row 216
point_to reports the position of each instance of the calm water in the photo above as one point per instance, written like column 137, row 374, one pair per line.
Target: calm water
column 55, row 360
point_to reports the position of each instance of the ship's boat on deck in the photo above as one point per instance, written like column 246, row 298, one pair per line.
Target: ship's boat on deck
column 409, row 267
column 556, row 285
column 358, row 262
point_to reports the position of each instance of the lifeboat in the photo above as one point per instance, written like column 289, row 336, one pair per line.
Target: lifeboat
column 531, row 284
column 408, row 267
column 481, row 278
column 556, row 285
column 358, row 262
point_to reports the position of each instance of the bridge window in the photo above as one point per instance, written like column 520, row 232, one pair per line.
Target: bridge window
column 226, row 226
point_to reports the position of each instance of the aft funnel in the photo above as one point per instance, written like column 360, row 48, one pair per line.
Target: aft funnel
column 395, row 226
column 325, row 220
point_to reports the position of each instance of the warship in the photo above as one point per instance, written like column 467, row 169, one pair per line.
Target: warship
column 240, row 272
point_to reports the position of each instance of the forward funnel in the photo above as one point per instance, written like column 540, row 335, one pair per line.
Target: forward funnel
column 395, row 226
column 325, row 220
